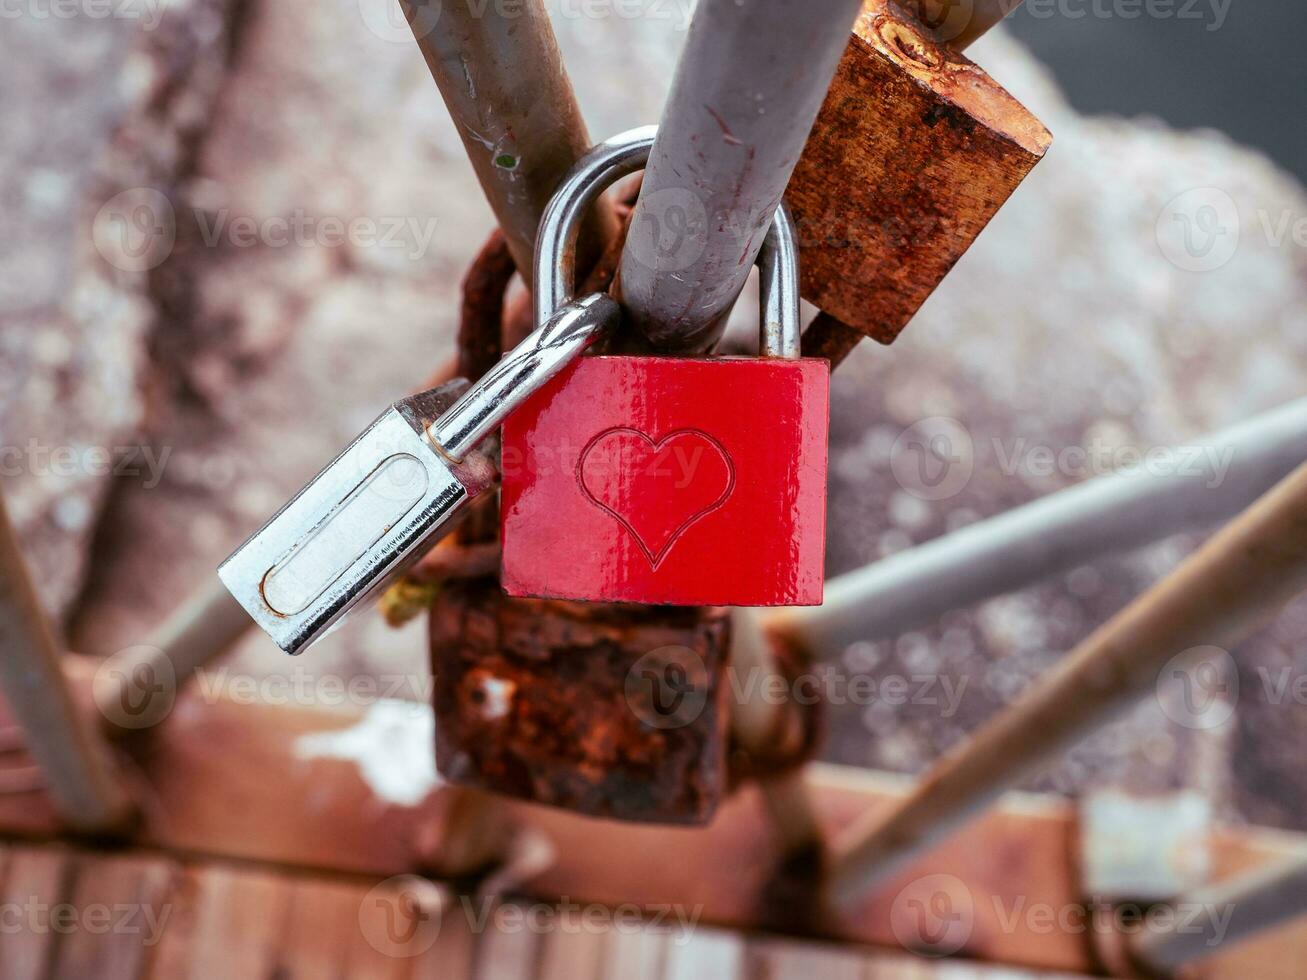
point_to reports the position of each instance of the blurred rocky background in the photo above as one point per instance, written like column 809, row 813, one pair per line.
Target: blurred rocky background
column 235, row 231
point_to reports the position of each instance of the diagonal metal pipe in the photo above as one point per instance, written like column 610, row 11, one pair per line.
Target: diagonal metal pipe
column 1231, row 586
column 1052, row 535
column 1254, row 902
column 500, row 72
column 746, row 92
column 73, row 758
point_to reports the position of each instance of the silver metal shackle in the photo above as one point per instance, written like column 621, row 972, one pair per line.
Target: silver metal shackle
column 618, row 157
column 559, row 340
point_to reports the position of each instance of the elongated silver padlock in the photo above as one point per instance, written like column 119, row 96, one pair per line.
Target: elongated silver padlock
column 400, row 485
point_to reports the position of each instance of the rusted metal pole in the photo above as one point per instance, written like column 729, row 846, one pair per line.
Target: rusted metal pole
column 1222, row 473
column 747, row 89
column 74, row 760
column 498, row 67
column 1232, row 585
column 1240, row 908
column 502, row 77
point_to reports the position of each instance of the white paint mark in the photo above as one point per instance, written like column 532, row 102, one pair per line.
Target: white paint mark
column 499, row 697
column 393, row 747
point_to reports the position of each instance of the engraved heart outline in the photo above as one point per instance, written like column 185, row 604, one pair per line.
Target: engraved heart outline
column 656, row 445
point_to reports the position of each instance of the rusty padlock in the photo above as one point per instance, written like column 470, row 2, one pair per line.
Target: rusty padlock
column 912, row 153
column 668, row 480
column 610, row 711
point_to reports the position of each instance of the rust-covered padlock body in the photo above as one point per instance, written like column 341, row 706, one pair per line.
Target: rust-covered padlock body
column 914, row 150
column 608, row 711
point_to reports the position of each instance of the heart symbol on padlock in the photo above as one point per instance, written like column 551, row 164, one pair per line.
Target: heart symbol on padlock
column 656, row 489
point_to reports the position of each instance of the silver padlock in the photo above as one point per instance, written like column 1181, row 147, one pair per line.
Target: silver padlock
column 400, row 486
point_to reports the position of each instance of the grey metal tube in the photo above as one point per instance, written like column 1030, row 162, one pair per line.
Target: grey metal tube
column 74, row 759
column 1052, row 535
column 498, row 67
column 746, row 92
column 1234, row 584
column 1243, row 907
column 524, row 370
column 207, row 624
column 577, row 193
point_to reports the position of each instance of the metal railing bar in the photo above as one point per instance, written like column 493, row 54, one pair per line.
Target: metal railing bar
column 1052, row 535
column 72, row 756
column 502, row 77
column 745, row 94
column 1243, row 906
column 1232, row 585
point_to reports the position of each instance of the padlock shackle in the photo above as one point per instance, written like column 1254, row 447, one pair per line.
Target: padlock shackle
column 522, row 372
column 555, row 254
column 778, row 288
column 618, row 157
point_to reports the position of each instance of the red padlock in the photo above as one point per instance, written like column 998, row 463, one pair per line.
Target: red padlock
column 681, row 481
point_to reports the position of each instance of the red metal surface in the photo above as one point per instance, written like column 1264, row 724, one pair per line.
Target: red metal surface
column 670, row 480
